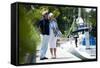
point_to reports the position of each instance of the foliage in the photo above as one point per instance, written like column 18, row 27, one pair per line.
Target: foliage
column 28, row 36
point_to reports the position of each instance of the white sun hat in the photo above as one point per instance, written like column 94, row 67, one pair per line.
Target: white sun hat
column 50, row 14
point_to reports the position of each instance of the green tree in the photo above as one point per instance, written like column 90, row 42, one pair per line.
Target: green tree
column 28, row 36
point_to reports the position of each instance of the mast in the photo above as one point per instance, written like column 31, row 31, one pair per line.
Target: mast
column 79, row 12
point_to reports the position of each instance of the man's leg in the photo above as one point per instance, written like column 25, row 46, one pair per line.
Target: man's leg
column 44, row 46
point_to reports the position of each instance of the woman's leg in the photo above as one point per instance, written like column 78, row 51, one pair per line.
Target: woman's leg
column 55, row 47
column 55, row 52
column 51, row 50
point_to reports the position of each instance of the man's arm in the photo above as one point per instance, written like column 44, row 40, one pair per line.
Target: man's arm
column 40, row 26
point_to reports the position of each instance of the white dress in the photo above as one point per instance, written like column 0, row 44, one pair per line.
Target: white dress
column 53, row 39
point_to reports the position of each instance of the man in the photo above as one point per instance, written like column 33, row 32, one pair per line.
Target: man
column 76, row 36
column 44, row 29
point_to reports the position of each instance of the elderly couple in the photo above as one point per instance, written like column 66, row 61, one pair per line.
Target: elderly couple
column 49, row 30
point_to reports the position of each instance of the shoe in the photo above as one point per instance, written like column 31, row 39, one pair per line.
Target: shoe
column 43, row 58
column 51, row 57
column 54, row 57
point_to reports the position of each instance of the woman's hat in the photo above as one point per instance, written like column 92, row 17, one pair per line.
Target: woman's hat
column 50, row 14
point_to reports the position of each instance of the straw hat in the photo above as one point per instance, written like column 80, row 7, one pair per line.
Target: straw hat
column 45, row 12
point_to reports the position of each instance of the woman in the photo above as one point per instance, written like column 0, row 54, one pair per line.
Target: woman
column 53, row 35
